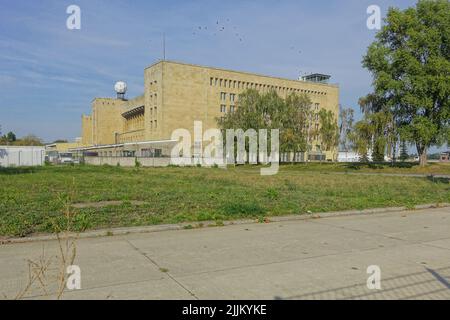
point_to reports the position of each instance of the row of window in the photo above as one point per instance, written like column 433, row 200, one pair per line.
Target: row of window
column 145, row 153
column 223, row 108
column 234, row 84
column 128, row 137
column 223, row 96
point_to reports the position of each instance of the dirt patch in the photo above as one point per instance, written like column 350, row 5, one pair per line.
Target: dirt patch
column 102, row 204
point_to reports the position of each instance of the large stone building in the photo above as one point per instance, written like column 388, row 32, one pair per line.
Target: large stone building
column 176, row 95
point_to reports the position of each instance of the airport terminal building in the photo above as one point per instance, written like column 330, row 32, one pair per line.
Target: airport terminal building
column 176, row 95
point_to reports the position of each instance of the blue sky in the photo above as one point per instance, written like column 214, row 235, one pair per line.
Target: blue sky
column 49, row 74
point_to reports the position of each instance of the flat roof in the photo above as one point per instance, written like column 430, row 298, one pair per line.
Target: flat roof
column 121, row 145
column 242, row 72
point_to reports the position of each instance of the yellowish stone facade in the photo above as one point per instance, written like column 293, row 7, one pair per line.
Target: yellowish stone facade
column 177, row 94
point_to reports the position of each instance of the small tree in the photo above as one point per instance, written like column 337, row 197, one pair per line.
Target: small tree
column 404, row 152
column 328, row 131
column 361, row 138
column 10, row 137
column 345, row 127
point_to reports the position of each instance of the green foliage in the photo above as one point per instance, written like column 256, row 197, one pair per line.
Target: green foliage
column 329, row 130
column 361, row 138
column 410, row 64
column 28, row 140
column 269, row 111
column 272, row 193
column 8, row 138
column 245, row 209
column 137, row 164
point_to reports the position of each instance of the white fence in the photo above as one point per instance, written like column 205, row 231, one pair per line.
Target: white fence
column 127, row 161
column 21, row 156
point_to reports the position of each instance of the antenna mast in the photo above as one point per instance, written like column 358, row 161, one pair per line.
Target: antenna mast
column 164, row 46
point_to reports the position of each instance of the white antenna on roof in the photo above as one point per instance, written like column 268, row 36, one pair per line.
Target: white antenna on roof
column 164, row 46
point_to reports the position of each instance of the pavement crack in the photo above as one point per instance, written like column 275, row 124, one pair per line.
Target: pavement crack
column 152, row 261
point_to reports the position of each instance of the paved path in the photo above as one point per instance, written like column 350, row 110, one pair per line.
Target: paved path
column 313, row 259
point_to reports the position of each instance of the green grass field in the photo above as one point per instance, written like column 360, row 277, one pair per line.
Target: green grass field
column 33, row 200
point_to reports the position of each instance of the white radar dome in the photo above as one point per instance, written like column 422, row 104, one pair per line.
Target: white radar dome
column 120, row 87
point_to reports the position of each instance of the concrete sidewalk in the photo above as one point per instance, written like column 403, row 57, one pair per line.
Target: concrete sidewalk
column 312, row 259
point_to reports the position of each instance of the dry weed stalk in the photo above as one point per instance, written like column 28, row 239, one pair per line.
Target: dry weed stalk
column 44, row 271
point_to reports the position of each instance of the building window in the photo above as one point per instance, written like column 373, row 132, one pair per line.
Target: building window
column 156, row 124
column 223, row 108
column 317, row 105
column 223, row 96
column 232, row 97
column 211, row 80
column 231, row 109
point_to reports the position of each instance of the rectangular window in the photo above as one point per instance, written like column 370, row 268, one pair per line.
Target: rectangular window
column 156, row 124
column 223, row 108
column 231, row 109
column 223, row 96
column 232, row 97
column 317, row 105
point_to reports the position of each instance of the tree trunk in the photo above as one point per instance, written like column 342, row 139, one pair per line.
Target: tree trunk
column 423, row 157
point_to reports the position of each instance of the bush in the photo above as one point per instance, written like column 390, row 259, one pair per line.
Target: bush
column 137, row 164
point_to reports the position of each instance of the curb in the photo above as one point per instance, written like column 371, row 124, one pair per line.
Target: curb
column 205, row 224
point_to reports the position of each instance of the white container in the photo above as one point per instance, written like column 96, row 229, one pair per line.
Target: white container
column 11, row 156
